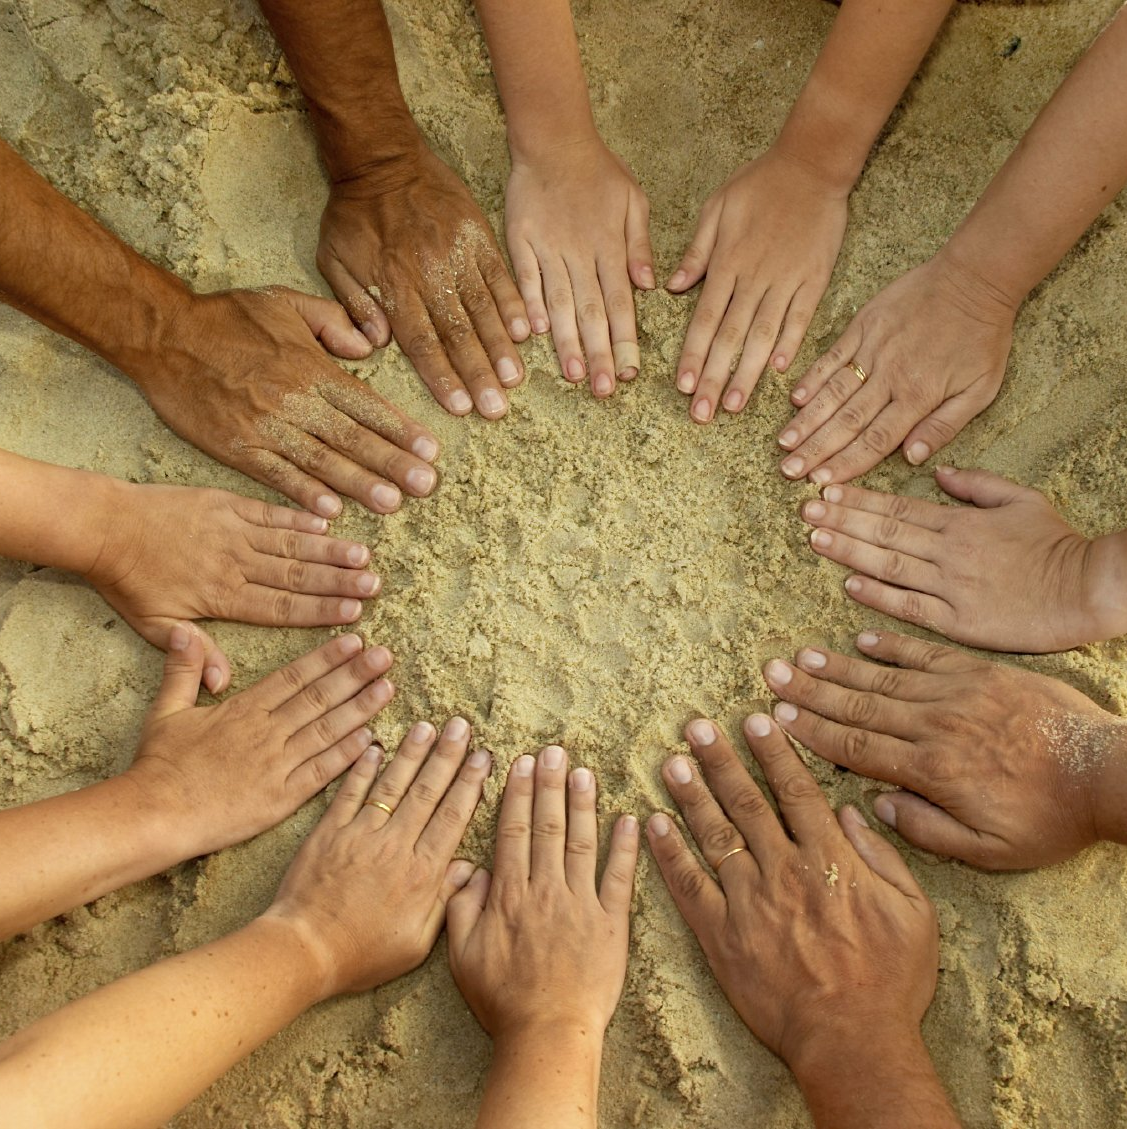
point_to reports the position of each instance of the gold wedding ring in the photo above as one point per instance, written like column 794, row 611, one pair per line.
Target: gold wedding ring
column 734, row 851
column 379, row 804
column 858, row 371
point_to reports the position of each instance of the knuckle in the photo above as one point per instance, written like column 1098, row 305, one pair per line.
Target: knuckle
column 748, row 803
column 719, row 839
column 900, row 508
column 477, row 301
column 859, row 709
column 591, row 312
column 689, row 881
column 857, row 747
column 912, row 609
column 291, row 544
column 422, row 345
column 619, row 302
column 730, row 336
column 580, row 845
column 297, row 575
column 283, row 606
column 426, row 793
column 548, row 827
column 796, row 788
column 895, row 566
column 458, row 333
column 291, row 679
column 558, row 298
column 887, row 681
column 516, row 829
column 850, row 417
column 323, row 730
column 887, row 530
column 762, row 332
column 316, row 696
column 877, row 438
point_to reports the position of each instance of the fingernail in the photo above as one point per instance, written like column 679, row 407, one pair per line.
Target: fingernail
column 358, row 555
column 426, row 448
column 678, row 280
column 814, row 511
column 328, row 505
column 350, row 610
column 686, row 382
column 507, row 373
column 552, row 757
column 581, row 780
column 702, row 411
column 628, row 373
column 945, row 470
column 759, row 724
column 868, row 639
column 371, row 754
column 788, row 439
column 518, row 330
column 603, row 385
column 821, row 476
column 575, row 370
column 779, row 363
column 372, row 332
column 778, row 671
column 785, row 712
column 457, row 728
column 679, row 770
column 385, row 497
column 213, row 678
column 646, row 275
column 179, row 638
column 350, row 644
column 628, row 824
column 799, row 395
column 702, row 732
column 460, row 873
column 492, row 402
column 421, row 480
column 319, row 524
column 421, row 732
column 885, row 810
column 460, row 402
column 479, row 758
column 660, row 825
column 360, row 338
column 833, row 494
column 524, row 765
column 367, row 582
column 820, row 539
column 917, row 453
column 733, row 401
column 858, row 815
column 540, row 325
column 811, row 660
column 792, row 468
column 853, row 584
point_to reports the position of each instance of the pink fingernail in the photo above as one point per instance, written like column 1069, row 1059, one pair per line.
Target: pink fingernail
column 328, row 505
column 792, row 468
column 821, row 476
column 524, row 765
column 759, row 724
column 426, row 448
column 686, row 382
column 785, row 713
column 788, row 439
column 575, row 370
column 660, row 825
column 179, row 638
column 678, row 280
column 213, row 678
column 350, row 610
column 460, row 402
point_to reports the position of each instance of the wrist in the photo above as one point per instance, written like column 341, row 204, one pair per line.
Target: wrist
column 105, row 521
column 558, row 1033
column 314, row 971
column 543, row 140
column 1107, row 754
column 1104, row 599
column 977, row 271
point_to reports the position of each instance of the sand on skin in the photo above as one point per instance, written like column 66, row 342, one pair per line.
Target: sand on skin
column 590, row 573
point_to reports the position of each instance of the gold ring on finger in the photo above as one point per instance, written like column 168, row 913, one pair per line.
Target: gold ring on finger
column 379, row 804
column 723, row 858
column 858, row 371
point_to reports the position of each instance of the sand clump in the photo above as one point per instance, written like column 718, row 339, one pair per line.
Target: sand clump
column 589, row 573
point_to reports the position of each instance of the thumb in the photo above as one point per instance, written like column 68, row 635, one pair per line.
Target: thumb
column 183, row 671
column 978, row 486
column 881, row 857
column 639, row 253
column 939, row 428
column 465, row 907
column 695, row 260
column 930, row 827
column 332, row 325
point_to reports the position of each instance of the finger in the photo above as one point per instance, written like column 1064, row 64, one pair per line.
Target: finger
column 927, row 611
column 282, row 475
column 800, row 313
column 361, row 307
column 695, row 260
column 331, row 325
column 512, row 857
column 925, row 825
column 434, row 779
column 316, row 548
column 506, row 297
column 594, row 330
column 561, row 312
column 700, row 341
column 527, row 269
column 312, row 775
column 802, row 804
column 856, row 674
column 938, row 429
column 878, row 854
column 183, row 672
column 352, row 792
column 890, row 565
column 277, row 518
column 850, row 419
column 696, row 894
column 715, row 834
column 272, row 607
column 337, row 723
column 398, row 776
column 639, row 253
column 448, row 825
column 911, row 511
column 464, row 909
column 158, row 630
column 354, row 399
column 881, row 531
column 816, row 376
column 216, row 666
column 549, row 814
column 479, row 301
column 722, row 353
column 582, row 831
column 618, row 300
column 290, row 680
column 878, row 440
column 419, row 340
column 617, row 886
column 738, row 794
column 984, row 489
column 903, row 650
column 459, row 338
column 307, row 578
column 322, row 694
column 757, row 346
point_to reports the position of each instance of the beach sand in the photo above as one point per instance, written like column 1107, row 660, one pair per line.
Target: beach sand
column 592, row 573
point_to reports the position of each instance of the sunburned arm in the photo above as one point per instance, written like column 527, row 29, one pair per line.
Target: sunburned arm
column 1064, row 171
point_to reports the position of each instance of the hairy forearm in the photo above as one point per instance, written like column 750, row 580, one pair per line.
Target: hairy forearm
column 539, row 73
column 342, row 55
column 1064, row 171
column 549, row 1076
column 61, row 267
column 133, row 1053
column 870, row 55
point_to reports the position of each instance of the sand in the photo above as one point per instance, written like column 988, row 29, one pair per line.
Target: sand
column 594, row 573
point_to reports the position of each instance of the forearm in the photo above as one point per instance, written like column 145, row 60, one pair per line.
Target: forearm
column 539, row 73
column 1102, row 755
column 342, row 55
column 1064, row 171
column 873, row 50
column 135, row 1052
column 58, row 265
column 881, row 1080
column 70, row 849
column 545, row 1077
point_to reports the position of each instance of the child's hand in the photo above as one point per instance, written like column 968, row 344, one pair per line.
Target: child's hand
column 1007, row 769
column 368, row 890
column 768, row 240
column 536, row 951
column 578, row 233
column 933, row 348
column 172, row 553
column 225, row 773
column 1007, row 573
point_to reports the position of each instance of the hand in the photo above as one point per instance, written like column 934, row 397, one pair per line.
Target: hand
column 1008, row 575
column 1004, row 766
column 368, row 890
column 933, row 346
column 225, row 773
column 411, row 248
column 578, row 232
column 768, row 240
column 245, row 380
column 537, row 948
column 171, row 553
